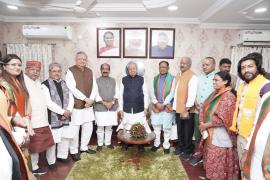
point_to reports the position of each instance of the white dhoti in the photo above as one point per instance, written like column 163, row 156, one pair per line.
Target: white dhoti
column 130, row 119
column 105, row 121
column 81, row 117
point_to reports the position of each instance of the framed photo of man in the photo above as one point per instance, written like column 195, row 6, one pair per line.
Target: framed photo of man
column 135, row 42
column 108, row 42
column 162, row 41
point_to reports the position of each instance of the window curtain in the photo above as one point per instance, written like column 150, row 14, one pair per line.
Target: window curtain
column 239, row 52
column 40, row 52
column 266, row 59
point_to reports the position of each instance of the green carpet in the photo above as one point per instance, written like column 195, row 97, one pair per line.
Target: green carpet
column 107, row 165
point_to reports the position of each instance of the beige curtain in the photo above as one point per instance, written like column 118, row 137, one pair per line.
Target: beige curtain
column 238, row 53
column 40, row 52
column 266, row 59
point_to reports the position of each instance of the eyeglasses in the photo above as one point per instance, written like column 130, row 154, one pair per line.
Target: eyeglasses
column 13, row 65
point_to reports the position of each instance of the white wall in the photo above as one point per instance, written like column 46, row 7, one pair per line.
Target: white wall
column 191, row 40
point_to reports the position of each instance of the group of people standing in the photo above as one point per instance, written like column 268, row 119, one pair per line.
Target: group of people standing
column 229, row 126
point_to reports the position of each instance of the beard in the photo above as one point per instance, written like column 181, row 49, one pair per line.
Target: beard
column 248, row 76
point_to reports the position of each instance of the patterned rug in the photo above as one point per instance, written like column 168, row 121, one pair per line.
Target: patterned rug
column 111, row 164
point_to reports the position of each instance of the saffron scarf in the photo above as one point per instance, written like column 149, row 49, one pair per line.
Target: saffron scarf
column 251, row 98
column 211, row 103
column 166, row 86
column 265, row 109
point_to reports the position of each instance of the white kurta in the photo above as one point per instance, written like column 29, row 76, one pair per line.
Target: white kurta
column 108, row 118
column 260, row 143
column 81, row 116
column 129, row 118
column 65, row 131
column 39, row 116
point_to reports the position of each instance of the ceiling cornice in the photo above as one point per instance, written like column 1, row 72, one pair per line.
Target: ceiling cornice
column 136, row 20
column 217, row 6
column 103, row 20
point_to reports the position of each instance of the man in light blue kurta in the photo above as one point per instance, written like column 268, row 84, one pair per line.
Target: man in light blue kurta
column 162, row 117
column 205, row 88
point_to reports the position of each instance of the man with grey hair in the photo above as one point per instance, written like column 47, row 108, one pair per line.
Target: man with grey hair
column 82, row 83
column 133, row 99
column 106, row 106
column 60, row 102
column 184, row 99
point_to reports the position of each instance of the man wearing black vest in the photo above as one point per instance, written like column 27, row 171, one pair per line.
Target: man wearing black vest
column 60, row 103
column 82, row 83
column 133, row 99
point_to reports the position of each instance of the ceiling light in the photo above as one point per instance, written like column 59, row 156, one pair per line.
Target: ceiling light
column 78, row 3
column 12, row 7
column 173, row 8
column 260, row 10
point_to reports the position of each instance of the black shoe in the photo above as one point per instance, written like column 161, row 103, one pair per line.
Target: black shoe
column 89, row 151
column 65, row 161
column 99, row 148
column 177, row 152
column 166, row 151
column 39, row 171
column 154, row 148
column 75, row 157
column 185, row 157
column 52, row 166
column 195, row 161
column 124, row 147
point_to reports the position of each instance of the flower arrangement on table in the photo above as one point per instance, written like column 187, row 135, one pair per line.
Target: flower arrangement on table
column 137, row 131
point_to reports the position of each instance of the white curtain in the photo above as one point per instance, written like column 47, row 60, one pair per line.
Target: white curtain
column 40, row 52
column 266, row 59
column 240, row 52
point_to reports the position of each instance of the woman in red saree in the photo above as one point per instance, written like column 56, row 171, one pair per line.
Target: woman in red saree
column 218, row 143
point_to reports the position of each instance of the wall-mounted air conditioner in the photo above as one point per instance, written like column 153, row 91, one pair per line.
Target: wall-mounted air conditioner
column 47, row 32
column 254, row 36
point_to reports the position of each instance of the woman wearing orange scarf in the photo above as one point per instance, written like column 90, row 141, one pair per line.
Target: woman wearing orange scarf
column 17, row 113
column 218, row 143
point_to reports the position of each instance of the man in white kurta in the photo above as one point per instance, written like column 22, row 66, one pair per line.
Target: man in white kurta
column 184, row 99
column 162, row 116
column 42, row 140
column 60, row 103
column 82, row 83
column 106, row 107
column 260, row 143
column 133, row 99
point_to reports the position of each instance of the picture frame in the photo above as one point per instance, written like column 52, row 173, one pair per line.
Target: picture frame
column 135, row 42
column 108, row 42
column 162, row 43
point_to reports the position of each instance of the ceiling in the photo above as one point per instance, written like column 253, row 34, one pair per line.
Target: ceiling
column 205, row 12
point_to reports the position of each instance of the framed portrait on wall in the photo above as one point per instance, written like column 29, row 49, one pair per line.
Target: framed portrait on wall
column 108, row 42
column 135, row 42
column 162, row 41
